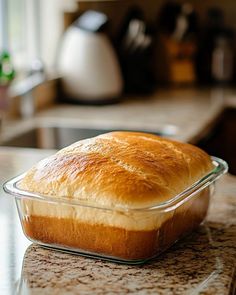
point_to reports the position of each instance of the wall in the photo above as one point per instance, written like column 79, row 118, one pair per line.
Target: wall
column 116, row 9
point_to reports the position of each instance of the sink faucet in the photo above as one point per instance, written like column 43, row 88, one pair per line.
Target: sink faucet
column 24, row 88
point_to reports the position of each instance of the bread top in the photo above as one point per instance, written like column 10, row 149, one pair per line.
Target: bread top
column 119, row 169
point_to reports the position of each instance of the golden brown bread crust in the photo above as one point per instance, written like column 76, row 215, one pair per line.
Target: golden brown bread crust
column 124, row 169
column 117, row 169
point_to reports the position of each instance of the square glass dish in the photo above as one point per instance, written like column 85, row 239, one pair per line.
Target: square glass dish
column 124, row 235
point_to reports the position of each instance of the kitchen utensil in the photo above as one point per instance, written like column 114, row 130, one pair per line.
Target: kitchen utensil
column 87, row 61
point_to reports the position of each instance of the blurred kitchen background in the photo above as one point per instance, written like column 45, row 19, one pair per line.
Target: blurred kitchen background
column 73, row 69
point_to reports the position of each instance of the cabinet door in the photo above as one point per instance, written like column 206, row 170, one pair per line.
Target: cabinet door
column 221, row 141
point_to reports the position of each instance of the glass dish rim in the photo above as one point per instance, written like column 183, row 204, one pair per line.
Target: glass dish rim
column 221, row 167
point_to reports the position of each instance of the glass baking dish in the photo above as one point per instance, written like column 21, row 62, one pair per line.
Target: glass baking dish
column 123, row 235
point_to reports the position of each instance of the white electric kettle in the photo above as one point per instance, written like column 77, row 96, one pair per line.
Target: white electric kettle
column 87, row 61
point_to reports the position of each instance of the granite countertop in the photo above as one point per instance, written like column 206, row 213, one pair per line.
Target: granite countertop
column 184, row 114
column 202, row 263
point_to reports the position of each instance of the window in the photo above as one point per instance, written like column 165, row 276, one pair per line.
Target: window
column 16, row 15
column 12, row 16
column 31, row 29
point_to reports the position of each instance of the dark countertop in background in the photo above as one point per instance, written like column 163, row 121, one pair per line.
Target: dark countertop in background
column 203, row 263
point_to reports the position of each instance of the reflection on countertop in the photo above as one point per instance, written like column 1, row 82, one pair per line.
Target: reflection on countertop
column 202, row 263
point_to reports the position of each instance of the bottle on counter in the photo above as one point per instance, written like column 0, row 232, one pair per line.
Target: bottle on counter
column 7, row 72
column 222, row 60
column 176, row 46
column 215, row 56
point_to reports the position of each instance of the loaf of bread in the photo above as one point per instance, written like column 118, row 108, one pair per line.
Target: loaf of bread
column 116, row 177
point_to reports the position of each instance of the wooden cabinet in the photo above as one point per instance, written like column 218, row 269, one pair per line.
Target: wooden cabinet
column 221, row 141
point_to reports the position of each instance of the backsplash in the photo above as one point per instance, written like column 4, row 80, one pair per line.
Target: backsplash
column 151, row 8
column 185, row 54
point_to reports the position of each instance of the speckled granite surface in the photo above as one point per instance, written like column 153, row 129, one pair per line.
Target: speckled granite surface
column 203, row 263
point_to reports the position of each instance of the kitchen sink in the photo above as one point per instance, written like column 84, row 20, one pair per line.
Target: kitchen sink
column 57, row 137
